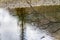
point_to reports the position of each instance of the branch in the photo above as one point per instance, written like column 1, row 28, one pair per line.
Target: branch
column 34, row 9
column 56, row 30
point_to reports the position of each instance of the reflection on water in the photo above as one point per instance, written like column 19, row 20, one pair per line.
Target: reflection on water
column 34, row 33
column 8, row 26
column 9, row 29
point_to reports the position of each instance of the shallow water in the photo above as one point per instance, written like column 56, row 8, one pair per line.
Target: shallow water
column 10, row 30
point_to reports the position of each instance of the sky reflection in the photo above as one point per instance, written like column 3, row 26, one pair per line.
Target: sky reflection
column 9, row 29
column 8, row 26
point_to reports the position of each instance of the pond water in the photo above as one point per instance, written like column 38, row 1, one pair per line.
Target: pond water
column 10, row 30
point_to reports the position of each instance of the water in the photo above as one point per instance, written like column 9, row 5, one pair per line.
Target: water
column 10, row 30
column 8, row 26
column 34, row 33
